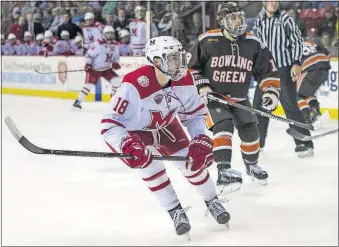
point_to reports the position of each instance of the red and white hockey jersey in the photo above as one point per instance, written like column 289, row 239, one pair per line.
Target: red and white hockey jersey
column 138, row 29
column 28, row 48
column 62, row 47
column 8, row 49
column 101, row 55
column 92, row 33
column 125, row 49
column 142, row 104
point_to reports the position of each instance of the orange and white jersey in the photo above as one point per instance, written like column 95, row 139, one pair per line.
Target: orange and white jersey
column 314, row 57
column 141, row 104
column 101, row 55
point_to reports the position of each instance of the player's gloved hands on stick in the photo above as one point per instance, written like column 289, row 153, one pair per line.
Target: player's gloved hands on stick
column 204, row 91
column 200, row 153
column 116, row 66
column 88, row 68
column 270, row 99
column 133, row 145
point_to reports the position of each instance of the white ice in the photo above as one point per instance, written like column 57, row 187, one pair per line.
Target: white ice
column 53, row 200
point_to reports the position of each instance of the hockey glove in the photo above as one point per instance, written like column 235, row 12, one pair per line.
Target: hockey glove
column 200, row 153
column 116, row 66
column 270, row 99
column 88, row 68
column 204, row 91
column 134, row 146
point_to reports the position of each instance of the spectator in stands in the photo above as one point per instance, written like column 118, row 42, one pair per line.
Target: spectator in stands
column 326, row 42
column 77, row 17
column 180, row 33
column 109, row 8
column 328, row 25
column 67, row 25
column 47, row 19
column 57, row 21
column 34, row 27
column 196, row 29
column 121, row 22
column 108, row 20
column 16, row 28
column 129, row 7
column 295, row 15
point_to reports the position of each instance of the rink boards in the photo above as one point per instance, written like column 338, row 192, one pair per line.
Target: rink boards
column 19, row 77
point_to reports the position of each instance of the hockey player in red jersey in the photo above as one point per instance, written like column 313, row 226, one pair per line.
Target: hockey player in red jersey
column 143, row 120
column 223, row 61
column 315, row 68
column 101, row 58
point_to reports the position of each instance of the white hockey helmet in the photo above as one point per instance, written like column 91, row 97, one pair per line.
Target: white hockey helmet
column 11, row 36
column 39, row 37
column 123, row 33
column 89, row 16
column 27, row 36
column 139, row 12
column 167, row 54
column 78, row 41
column 109, row 33
column 64, row 35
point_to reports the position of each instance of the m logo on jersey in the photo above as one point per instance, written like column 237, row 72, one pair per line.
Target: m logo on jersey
column 109, row 57
column 158, row 121
column 134, row 32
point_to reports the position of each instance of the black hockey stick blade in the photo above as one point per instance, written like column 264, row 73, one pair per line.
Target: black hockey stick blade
column 57, row 72
column 38, row 150
column 222, row 102
column 297, row 135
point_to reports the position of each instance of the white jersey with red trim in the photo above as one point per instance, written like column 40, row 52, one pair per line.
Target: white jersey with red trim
column 62, row 46
column 9, row 49
column 92, row 33
column 138, row 29
column 101, row 55
column 142, row 104
column 125, row 49
column 28, row 48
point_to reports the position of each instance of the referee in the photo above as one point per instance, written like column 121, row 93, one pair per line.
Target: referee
column 282, row 37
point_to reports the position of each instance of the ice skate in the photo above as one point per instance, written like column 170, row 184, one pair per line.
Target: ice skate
column 257, row 174
column 218, row 211
column 181, row 222
column 229, row 180
column 319, row 120
column 77, row 105
column 304, row 151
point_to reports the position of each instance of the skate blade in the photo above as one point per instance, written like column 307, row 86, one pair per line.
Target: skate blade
column 188, row 236
column 228, row 226
column 75, row 109
column 226, row 189
column 258, row 181
column 323, row 119
column 306, row 154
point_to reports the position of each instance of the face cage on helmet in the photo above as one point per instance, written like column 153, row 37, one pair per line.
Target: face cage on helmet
column 233, row 31
column 65, row 37
column 110, row 36
column 169, row 62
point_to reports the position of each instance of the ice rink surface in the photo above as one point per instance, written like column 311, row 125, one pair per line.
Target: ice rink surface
column 50, row 200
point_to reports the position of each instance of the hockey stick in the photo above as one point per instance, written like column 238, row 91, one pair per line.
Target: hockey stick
column 297, row 135
column 57, row 72
column 222, row 101
column 38, row 150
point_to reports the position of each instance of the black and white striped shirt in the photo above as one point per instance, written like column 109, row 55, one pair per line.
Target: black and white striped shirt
column 281, row 36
